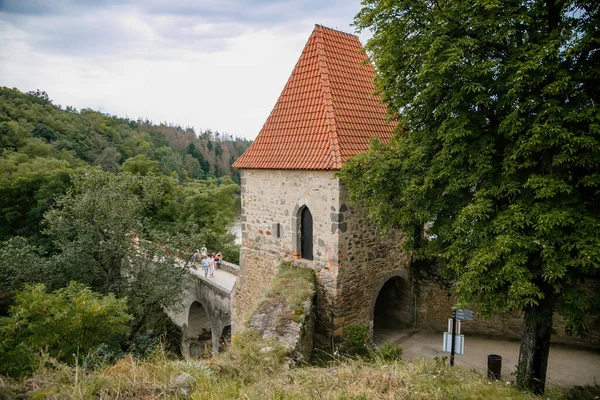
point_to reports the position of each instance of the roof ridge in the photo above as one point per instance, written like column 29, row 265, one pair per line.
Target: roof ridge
column 334, row 145
column 335, row 30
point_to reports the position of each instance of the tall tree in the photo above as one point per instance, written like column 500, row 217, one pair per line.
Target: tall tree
column 98, row 228
column 497, row 152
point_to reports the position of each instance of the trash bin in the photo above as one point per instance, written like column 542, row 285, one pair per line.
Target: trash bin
column 494, row 366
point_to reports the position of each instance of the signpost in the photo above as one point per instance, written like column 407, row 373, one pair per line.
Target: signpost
column 466, row 315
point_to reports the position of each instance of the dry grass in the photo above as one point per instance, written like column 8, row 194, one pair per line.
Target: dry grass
column 254, row 368
column 245, row 373
column 356, row 379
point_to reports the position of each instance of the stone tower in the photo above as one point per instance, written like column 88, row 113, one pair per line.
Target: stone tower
column 293, row 206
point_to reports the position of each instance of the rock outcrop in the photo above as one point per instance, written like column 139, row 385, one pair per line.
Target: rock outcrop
column 286, row 312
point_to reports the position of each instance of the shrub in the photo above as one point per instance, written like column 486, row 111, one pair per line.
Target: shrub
column 68, row 323
column 356, row 339
column 231, row 253
column 390, row 352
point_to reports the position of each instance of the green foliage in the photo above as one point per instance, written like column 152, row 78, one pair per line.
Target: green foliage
column 67, row 324
column 28, row 187
column 231, row 252
column 100, row 224
column 140, row 165
column 19, row 262
column 356, row 339
column 41, row 145
column 497, row 149
column 111, row 203
column 390, row 352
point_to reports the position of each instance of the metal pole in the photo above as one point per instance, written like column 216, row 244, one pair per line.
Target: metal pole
column 453, row 337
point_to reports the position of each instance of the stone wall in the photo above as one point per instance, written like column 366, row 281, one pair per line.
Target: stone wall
column 434, row 307
column 233, row 269
column 368, row 259
column 271, row 202
column 352, row 260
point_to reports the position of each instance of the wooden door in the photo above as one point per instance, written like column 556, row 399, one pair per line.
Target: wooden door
column 306, row 232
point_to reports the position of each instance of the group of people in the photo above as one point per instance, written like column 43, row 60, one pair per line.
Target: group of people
column 209, row 261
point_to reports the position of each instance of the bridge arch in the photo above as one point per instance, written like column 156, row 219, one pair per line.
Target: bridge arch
column 225, row 338
column 199, row 330
column 204, row 312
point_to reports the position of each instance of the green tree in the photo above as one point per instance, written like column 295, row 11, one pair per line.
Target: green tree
column 497, row 152
column 28, row 187
column 19, row 262
column 100, row 232
column 140, row 165
column 68, row 322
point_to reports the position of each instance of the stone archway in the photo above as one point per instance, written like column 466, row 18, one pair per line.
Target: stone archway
column 391, row 306
column 199, row 333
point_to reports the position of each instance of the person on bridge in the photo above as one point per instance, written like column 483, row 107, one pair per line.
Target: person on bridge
column 196, row 256
column 218, row 259
column 205, row 264
column 211, row 265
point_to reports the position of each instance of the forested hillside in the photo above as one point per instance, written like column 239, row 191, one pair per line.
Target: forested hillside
column 109, row 141
column 101, row 211
column 43, row 145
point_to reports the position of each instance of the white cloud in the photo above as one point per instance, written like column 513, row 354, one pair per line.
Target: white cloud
column 197, row 64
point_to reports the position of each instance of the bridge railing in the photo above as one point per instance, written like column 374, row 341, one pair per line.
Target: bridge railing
column 230, row 267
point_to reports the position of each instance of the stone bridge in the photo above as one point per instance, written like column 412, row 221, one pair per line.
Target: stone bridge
column 205, row 318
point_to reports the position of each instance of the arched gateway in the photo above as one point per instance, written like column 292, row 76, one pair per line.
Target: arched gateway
column 199, row 335
column 391, row 304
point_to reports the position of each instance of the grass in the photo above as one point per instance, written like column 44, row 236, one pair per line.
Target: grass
column 244, row 372
column 257, row 368
column 293, row 286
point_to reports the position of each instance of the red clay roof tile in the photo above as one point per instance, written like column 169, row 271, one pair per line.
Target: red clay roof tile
column 326, row 112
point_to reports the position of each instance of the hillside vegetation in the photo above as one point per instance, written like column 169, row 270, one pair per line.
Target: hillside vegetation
column 43, row 144
column 99, row 217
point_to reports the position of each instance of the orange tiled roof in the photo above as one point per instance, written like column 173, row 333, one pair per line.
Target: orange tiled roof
column 326, row 112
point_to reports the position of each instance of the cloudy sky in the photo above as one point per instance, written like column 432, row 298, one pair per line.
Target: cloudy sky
column 217, row 64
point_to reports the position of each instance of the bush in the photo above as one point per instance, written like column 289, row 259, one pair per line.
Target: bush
column 356, row 340
column 67, row 324
column 390, row 352
column 231, row 253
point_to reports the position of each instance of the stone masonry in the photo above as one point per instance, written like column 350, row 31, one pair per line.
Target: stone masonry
column 271, row 197
column 368, row 259
column 352, row 260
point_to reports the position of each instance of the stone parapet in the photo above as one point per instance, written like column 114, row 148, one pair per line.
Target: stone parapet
column 230, row 267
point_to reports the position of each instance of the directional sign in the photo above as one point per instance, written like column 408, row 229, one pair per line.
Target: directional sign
column 466, row 315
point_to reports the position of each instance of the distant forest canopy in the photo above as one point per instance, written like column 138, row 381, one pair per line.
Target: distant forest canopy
column 31, row 123
column 43, row 146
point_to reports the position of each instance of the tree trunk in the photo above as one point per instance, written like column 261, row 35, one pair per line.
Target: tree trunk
column 535, row 347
